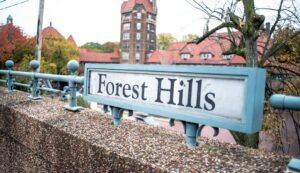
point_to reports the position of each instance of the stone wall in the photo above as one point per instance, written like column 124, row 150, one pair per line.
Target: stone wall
column 40, row 136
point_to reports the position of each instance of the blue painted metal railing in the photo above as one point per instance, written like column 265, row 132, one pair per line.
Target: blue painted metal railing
column 292, row 103
column 35, row 86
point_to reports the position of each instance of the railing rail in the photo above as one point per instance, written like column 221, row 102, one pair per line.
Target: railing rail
column 35, row 86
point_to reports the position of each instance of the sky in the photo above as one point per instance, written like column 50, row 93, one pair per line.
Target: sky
column 99, row 20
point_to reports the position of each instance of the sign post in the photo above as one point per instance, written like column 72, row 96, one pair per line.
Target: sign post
column 223, row 97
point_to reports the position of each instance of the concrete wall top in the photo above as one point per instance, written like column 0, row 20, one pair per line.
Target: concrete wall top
column 88, row 142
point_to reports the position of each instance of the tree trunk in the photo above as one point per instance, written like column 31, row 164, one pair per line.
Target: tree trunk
column 251, row 52
column 248, row 140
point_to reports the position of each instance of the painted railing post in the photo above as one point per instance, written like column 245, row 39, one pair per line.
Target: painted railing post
column 191, row 133
column 9, row 79
column 292, row 103
column 116, row 115
column 35, row 84
column 72, row 88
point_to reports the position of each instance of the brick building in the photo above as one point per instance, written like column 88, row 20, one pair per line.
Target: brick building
column 138, row 30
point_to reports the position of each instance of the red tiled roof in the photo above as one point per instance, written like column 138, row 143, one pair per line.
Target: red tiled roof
column 129, row 5
column 237, row 60
column 177, row 45
column 51, row 31
column 96, row 57
column 163, row 57
column 216, row 44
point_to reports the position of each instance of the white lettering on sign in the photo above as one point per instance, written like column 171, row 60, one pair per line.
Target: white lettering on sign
column 224, row 97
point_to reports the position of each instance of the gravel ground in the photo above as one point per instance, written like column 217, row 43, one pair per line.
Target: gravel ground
column 155, row 146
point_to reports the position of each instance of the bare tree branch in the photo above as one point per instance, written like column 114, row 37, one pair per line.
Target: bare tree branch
column 271, row 31
column 207, row 34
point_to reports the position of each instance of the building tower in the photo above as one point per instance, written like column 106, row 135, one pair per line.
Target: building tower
column 9, row 20
column 138, row 30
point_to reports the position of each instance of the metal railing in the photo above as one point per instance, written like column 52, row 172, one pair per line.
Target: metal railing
column 35, row 86
column 292, row 103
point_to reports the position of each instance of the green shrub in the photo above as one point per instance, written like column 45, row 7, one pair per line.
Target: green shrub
column 82, row 102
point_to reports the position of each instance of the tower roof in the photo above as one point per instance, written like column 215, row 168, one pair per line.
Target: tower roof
column 51, row 31
column 130, row 4
column 9, row 17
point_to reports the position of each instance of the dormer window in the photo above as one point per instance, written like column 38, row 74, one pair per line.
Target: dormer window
column 228, row 56
column 185, row 56
column 206, row 55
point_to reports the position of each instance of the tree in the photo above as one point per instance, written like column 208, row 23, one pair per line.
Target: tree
column 242, row 16
column 284, row 67
column 249, row 24
column 164, row 40
column 290, row 51
column 190, row 37
column 57, row 51
column 108, row 47
column 11, row 37
column 23, row 49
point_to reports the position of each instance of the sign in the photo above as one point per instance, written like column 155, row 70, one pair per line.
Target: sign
column 225, row 97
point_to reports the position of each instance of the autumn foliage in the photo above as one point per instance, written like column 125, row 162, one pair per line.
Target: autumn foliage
column 11, row 38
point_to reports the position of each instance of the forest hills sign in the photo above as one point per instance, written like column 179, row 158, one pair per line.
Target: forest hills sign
column 225, row 97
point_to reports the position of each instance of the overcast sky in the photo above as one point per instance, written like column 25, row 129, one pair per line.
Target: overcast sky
column 99, row 20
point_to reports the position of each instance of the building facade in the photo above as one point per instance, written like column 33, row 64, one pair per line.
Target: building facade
column 138, row 30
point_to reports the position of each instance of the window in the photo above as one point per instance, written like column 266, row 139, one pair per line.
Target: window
column 137, row 56
column 152, row 28
column 125, row 55
column 126, row 26
column 227, row 56
column 139, row 15
column 206, row 55
column 152, row 37
column 125, row 46
column 138, row 36
column 150, row 47
column 138, row 46
column 126, row 16
column 148, row 36
column 138, row 26
column 185, row 56
column 126, row 36
column 148, row 27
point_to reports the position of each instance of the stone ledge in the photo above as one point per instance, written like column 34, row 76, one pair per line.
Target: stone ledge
column 63, row 141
